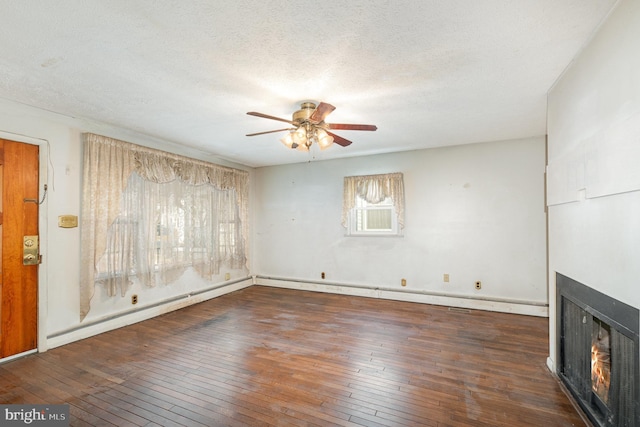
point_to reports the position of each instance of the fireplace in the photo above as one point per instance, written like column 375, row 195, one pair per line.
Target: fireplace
column 598, row 353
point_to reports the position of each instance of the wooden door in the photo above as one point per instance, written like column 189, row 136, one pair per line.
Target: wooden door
column 18, row 218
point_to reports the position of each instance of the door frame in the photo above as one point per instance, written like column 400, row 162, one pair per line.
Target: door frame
column 43, row 158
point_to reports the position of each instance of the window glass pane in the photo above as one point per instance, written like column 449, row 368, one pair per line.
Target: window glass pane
column 379, row 219
column 374, row 216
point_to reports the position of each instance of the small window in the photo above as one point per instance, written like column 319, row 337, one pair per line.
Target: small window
column 373, row 205
column 373, row 218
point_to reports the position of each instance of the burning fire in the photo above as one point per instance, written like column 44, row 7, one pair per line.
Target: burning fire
column 600, row 371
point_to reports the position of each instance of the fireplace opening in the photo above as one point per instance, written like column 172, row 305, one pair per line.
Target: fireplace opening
column 601, row 364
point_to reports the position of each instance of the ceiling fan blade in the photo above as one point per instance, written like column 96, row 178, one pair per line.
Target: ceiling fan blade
column 344, row 126
column 321, row 111
column 269, row 131
column 339, row 140
column 266, row 116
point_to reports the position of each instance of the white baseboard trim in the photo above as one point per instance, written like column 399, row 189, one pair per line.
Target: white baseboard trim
column 18, row 356
column 459, row 301
column 142, row 313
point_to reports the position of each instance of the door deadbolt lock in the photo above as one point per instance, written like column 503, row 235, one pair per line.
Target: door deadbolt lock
column 30, row 249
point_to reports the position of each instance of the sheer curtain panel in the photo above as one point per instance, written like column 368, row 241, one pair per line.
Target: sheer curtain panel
column 149, row 215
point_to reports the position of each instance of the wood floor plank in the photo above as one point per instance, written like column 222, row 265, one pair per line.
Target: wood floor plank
column 266, row 356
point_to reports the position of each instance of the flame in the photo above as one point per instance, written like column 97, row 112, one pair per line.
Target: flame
column 600, row 372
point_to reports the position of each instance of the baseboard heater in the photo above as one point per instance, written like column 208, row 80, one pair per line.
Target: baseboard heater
column 405, row 291
column 148, row 307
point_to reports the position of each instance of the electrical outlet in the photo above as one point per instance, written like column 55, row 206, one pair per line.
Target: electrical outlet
column 322, row 274
column 445, row 278
column 227, row 276
column 478, row 285
column 403, row 282
column 134, row 299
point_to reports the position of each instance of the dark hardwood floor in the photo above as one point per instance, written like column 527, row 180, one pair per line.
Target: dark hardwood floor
column 268, row 356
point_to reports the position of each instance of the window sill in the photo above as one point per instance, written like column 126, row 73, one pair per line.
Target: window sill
column 373, row 235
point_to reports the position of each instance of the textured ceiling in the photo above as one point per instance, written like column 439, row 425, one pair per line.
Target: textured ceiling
column 428, row 73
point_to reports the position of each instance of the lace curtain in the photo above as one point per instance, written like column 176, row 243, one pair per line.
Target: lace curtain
column 374, row 189
column 152, row 214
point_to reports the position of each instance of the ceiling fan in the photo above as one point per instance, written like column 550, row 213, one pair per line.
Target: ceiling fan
column 309, row 127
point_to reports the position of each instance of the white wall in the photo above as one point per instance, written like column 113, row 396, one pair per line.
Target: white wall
column 61, row 170
column 594, row 165
column 475, row 212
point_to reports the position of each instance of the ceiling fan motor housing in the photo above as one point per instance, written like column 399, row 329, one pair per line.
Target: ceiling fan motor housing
column 305, row 111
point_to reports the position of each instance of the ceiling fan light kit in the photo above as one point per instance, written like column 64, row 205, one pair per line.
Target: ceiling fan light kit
column 302, row 138
column 310, row 127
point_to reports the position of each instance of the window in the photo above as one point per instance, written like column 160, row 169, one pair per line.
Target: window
column 164, row 228
column 373, row 205
column 373, row 218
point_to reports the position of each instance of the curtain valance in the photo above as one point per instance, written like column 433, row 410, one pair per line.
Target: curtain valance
column 374, row 189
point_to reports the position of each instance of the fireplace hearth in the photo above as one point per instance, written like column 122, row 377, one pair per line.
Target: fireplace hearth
column 598, row 353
